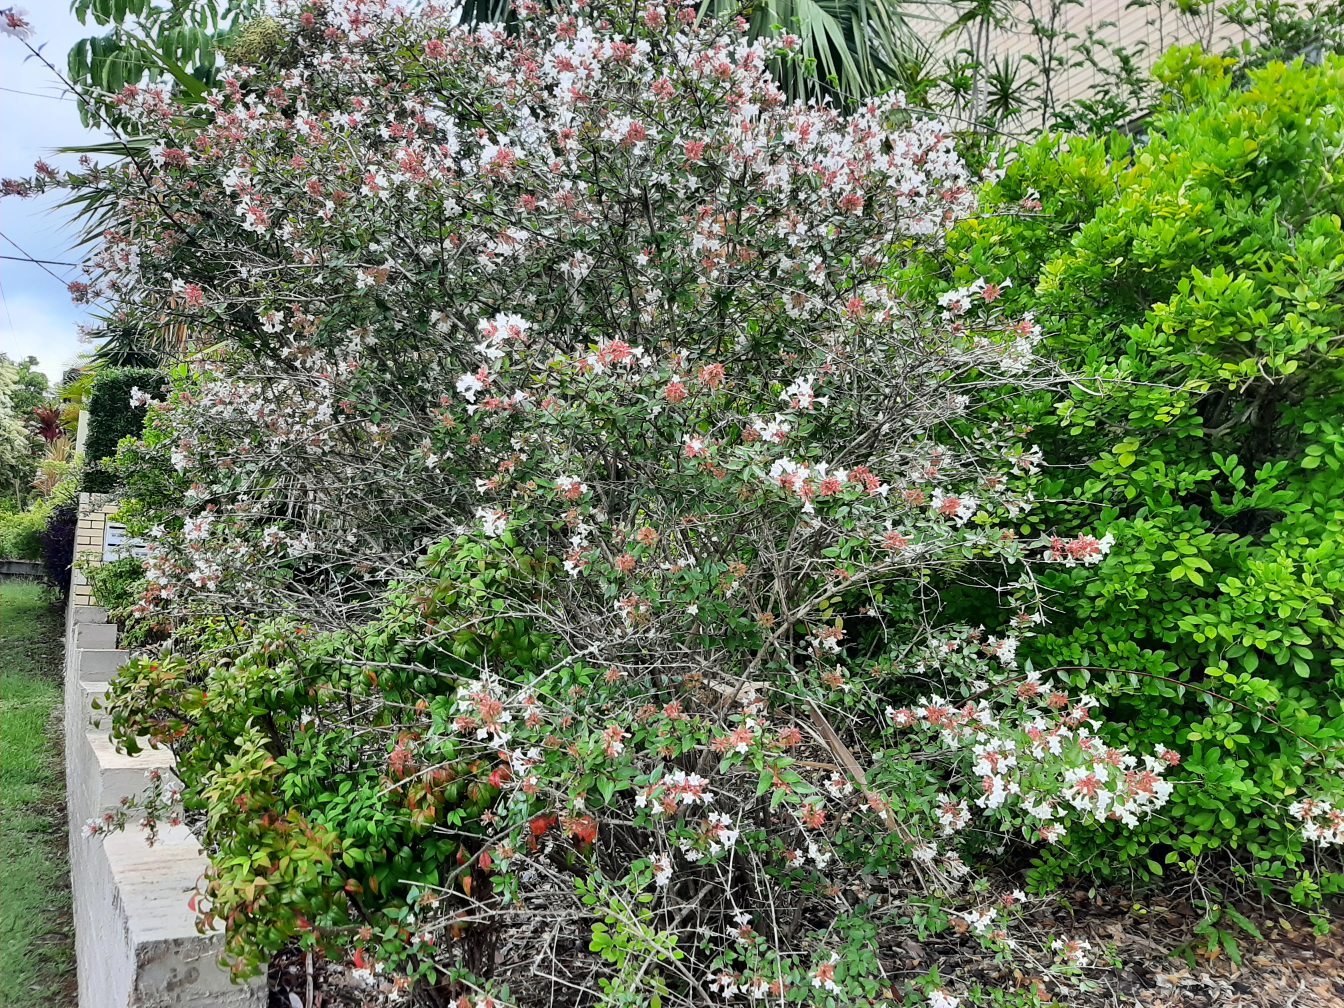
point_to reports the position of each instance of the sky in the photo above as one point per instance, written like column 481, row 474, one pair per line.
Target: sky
column 37, row 115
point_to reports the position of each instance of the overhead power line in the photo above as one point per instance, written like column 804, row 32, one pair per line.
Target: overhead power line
column 37, row 94
column 39, row 262
column 30, row 259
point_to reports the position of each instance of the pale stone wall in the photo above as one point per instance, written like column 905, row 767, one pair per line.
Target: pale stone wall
column 136, row 943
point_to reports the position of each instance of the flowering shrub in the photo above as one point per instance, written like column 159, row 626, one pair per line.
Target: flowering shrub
column 1194, row 285
column 548, row 519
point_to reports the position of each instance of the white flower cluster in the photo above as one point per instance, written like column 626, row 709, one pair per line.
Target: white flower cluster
column 1322, row 822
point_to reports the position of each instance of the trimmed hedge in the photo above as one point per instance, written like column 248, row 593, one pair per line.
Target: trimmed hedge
column 111, row 418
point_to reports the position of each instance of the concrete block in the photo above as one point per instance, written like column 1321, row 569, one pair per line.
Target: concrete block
column 96, row 636
column 146, row 952
column 101, row 665
column 115, row 776
column 79, row 702
column 88, row 614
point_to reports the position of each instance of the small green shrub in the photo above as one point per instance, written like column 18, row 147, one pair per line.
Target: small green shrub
column 112, row 417
column 20, row 533
column 117, row 585
column 23, row 533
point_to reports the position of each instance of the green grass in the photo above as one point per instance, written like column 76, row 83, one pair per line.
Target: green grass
column 36, row 935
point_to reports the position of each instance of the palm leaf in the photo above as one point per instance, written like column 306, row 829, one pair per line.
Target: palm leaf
column 850, row 48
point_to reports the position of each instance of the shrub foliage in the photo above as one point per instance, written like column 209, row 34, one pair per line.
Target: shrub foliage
column 566, row 517
column 111, row 418
column 1195, row 284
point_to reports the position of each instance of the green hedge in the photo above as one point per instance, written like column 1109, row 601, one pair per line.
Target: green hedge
column 1196, row 282
column 111, row 418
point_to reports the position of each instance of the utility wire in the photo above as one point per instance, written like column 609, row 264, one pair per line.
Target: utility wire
column 31, row 259
column 5, row 301
column 39, row 262
column 37, row 94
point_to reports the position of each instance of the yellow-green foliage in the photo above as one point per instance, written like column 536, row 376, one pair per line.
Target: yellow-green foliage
column 257, row 41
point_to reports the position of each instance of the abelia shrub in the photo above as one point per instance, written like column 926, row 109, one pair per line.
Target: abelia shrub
column 548, row 514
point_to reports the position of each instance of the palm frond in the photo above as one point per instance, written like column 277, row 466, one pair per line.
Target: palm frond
column 850, row 48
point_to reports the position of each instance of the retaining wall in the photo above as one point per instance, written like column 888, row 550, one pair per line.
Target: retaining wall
column 136, row 943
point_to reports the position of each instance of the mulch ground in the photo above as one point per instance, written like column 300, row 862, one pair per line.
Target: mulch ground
column 1292, row 967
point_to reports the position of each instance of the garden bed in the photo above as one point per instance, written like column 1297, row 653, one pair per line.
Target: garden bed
column 1163, row 951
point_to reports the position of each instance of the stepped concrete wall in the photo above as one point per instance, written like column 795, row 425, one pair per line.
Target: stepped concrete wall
column 136, row 943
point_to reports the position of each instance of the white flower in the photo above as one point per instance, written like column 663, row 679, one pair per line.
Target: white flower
column 958, row 507
column 775, row 431
column 995, row 792
column 725, row 984
column 497, row 331
column 493, row 522
column 835, row 784
column 819, row 857
column 1004, row 650
column 824, row 976
column 14, row 21
column 1072, row 950
column 924, row 853
column 722, row 835
column 570, row 487
column 468, row 386
column 662, row 869
column 196, row 529
column 953, row 814
column 942, row 999
column 979, row 920
column 802, row 395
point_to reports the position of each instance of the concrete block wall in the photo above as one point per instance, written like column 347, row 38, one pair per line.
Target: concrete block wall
column 136, row 942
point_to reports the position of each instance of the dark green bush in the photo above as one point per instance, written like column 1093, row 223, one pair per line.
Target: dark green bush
column 1196, row 284
column 112, row 417
column 58, row 544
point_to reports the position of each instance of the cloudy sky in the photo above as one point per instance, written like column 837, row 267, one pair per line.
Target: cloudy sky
column 37, row 116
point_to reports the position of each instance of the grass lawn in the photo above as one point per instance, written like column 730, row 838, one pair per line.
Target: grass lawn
column 36, row 935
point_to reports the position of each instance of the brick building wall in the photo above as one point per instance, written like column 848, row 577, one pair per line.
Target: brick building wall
column 90, row 538
column 1150, row 30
